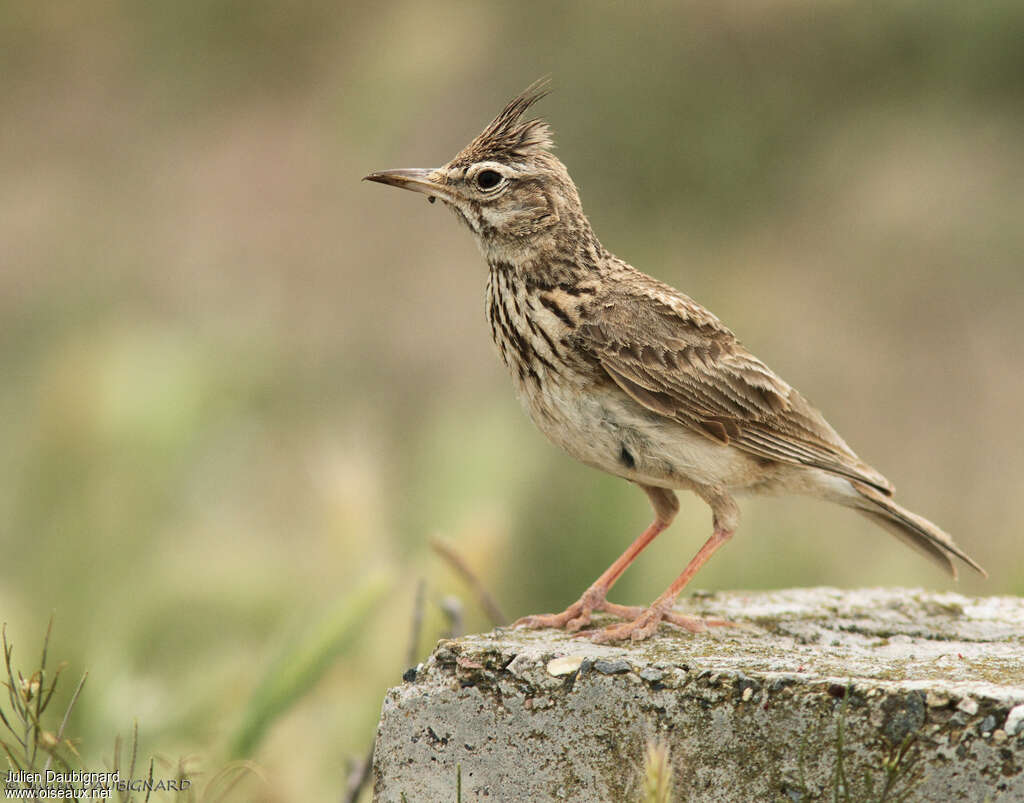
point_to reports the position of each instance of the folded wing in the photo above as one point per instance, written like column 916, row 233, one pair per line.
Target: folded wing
column 677, row 359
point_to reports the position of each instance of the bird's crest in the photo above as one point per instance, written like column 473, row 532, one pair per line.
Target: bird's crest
column 507, row 135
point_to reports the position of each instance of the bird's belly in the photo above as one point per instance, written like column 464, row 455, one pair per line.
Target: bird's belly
column 606, row 429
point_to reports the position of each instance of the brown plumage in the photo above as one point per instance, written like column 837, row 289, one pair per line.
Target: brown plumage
column 631, row 376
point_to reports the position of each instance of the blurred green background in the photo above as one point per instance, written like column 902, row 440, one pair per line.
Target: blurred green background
column 237, row 380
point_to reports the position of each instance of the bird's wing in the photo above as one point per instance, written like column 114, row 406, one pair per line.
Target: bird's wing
column 677, row 359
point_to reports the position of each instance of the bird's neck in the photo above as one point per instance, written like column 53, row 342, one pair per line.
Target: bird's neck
column 564, row 254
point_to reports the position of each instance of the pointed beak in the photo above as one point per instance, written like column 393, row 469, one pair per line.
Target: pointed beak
column 417, row 179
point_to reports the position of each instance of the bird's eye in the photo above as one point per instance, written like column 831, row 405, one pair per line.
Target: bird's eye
column 488, row 179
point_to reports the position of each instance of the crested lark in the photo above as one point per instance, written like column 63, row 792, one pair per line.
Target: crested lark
column 631, row 376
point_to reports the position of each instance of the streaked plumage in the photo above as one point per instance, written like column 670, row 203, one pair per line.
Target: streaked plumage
column 631, row 376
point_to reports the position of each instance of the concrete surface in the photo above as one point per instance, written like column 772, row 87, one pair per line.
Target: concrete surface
column 935, row 709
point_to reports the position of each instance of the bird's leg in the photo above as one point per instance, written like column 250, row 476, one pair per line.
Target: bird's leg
column 578, row 614
column 645, row 623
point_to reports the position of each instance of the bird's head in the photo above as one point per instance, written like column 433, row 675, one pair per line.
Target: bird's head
column 506, row 185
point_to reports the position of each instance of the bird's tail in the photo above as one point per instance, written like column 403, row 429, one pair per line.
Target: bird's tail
column 912, row 529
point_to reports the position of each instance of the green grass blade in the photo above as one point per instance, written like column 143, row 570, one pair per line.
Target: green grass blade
column 304, row 661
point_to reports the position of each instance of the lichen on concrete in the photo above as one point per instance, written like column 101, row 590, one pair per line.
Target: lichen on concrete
column 881, row 691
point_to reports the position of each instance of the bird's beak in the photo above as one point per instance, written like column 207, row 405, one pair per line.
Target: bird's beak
column 417, row 179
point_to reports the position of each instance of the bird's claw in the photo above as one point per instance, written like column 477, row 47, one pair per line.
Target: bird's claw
column 645, row 623
column 643, row 627
column 572, row 618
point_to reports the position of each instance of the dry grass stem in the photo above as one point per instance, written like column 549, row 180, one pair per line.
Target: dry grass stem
column 483, row 596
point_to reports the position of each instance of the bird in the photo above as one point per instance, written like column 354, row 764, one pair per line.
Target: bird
column 634, row 378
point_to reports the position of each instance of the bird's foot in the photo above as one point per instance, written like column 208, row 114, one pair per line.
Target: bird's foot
column 643, row 623
column 572, row 618
column 637, row 629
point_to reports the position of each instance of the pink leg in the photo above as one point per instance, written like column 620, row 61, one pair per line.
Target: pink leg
column 644, row 625
column 578, row 614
